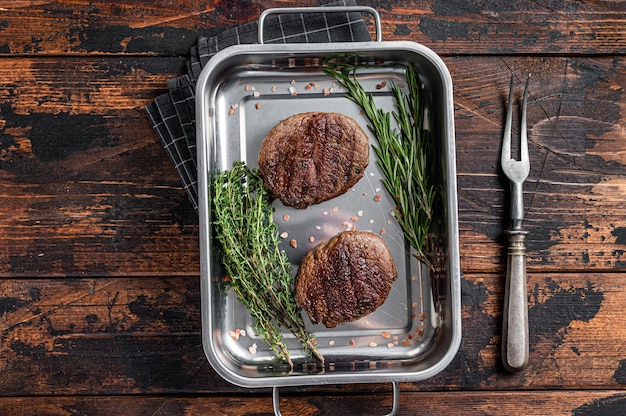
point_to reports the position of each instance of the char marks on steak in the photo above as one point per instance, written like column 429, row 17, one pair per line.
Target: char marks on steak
column 345, row 278
column 313, row 157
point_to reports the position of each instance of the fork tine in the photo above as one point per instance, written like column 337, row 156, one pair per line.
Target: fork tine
column 523, row 134
column 506, row 139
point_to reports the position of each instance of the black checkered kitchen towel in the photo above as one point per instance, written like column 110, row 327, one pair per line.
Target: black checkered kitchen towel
column 172, row 115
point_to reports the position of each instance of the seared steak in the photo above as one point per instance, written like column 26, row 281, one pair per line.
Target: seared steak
column 345, row 278
column 312, row 157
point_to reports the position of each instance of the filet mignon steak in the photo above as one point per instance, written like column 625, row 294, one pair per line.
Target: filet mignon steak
column 345, row 278
column 312, row 157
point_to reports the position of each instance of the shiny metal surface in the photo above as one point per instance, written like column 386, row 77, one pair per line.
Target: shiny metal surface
column 242, row 93
column 326, row 9
column 515, row 348
column 395, row 402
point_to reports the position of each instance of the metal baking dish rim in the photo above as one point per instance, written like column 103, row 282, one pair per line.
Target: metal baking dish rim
column 203, row 108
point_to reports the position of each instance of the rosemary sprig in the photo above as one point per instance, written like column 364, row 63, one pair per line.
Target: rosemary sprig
column 402, row 155
column 259, row 271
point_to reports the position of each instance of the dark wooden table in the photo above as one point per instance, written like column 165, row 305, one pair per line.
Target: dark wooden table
column 99, row 257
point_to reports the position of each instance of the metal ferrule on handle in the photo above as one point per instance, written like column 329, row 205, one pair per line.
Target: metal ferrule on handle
column 515, row 350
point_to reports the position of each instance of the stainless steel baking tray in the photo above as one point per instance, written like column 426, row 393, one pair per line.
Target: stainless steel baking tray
column 242, row 93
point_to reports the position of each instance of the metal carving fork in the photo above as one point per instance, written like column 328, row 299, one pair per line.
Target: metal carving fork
column 515, row 316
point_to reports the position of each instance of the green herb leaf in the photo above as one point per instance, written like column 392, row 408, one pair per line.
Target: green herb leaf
column 259, row 271
column 402, row 155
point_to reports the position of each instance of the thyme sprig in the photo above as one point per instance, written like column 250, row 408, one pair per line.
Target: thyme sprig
column 259, row 271
column 402, row 154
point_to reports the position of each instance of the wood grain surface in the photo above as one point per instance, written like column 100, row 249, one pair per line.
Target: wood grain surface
column 100, row 303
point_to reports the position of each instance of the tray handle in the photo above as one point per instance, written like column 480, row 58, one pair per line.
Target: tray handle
column 329, row 9
column 394, row 406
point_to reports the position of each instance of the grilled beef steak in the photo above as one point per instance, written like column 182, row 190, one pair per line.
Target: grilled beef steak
column 313, row 157
column 345, row 278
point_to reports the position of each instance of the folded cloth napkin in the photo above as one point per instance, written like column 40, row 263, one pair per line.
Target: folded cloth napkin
column 172, row 115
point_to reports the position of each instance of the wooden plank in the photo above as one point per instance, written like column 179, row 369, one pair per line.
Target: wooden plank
column 467, row 28
column 589, row 403
column 132, row 27
column 86, row 186
column 573, row 197
column 165, row 28
column 82, row 27
column 88, row 190
column 109, row 336
column 102, row 336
